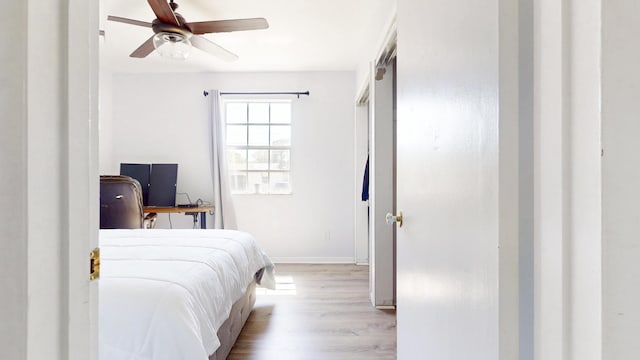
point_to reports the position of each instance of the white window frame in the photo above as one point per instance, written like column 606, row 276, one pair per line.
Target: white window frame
column 268, row 148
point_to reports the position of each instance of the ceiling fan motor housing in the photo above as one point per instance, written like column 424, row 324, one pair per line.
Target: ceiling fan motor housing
column 159, row 26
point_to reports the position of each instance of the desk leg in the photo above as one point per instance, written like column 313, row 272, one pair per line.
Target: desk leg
column 203, row 220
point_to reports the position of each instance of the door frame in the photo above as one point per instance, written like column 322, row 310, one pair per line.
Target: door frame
column 82, row 176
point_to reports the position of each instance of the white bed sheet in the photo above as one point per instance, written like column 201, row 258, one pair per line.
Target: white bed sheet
column 165, row 293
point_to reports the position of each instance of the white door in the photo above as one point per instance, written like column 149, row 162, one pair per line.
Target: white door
column 82, row 178
column 451, row 299
column 381, row 162
column 49, row 170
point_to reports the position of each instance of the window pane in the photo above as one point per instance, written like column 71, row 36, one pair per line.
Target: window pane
column 236, row 113
column 259, row 113
column 237, row 135
column 281, row 135
column 258, row 183
column 280, row 183
column 259, row 135
column 280, row 160
column 258, row 159
column 238, row 182
column 259, row 140
column 281, row 113
column 237, row 159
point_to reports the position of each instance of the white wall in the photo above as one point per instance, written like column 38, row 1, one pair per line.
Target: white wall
column 163, row 118
column 106, row 125
column 620, row 179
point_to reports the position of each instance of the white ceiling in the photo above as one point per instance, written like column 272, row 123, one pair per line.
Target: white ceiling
column 303, row 35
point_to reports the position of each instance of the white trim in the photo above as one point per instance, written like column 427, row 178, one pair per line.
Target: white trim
column 390, row 39
column 82, row 185
column 385, row 307
column 313, row 260
column 363, row 94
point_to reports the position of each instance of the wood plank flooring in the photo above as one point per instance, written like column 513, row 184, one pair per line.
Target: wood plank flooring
column 319, row 312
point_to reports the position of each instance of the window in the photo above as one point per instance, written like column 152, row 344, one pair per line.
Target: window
column 259, row 146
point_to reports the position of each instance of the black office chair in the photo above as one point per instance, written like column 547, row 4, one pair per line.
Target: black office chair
column 121, row 204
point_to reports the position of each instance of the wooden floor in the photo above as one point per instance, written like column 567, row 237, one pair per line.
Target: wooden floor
column 318, row 312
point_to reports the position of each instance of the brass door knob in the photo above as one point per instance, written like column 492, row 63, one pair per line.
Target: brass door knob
column 394, row 218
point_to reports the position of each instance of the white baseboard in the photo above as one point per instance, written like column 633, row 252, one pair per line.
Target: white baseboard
column 313, row 260
column 385, row 307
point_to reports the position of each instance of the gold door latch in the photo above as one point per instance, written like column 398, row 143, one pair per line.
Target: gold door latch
column 94, row 269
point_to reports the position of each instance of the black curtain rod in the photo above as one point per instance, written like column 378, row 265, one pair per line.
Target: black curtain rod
column 297, row 93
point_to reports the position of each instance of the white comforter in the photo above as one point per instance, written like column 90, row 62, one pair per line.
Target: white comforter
column 165, row 293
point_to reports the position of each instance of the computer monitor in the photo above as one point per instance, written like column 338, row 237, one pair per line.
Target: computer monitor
column 163, row 182
column 142, row 173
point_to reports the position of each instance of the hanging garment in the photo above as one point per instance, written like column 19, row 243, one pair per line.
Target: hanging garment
column 365, row 182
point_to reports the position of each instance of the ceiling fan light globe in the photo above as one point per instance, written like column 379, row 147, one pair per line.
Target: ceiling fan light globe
column 172, row 45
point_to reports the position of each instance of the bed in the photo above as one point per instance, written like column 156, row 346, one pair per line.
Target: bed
column 176, row 294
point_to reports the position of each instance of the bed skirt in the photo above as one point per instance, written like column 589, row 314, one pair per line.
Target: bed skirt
column 230, row 329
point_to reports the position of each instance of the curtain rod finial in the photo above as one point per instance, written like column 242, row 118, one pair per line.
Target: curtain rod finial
column 205, row 93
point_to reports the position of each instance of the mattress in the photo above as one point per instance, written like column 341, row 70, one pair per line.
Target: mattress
column 164, row 294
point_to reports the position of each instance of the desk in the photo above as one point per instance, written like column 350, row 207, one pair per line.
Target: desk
column 202, row 210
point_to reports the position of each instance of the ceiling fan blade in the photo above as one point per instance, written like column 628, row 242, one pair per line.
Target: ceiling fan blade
column 206, row 27
column 129, row 21
column 145, row 49
column 163, row 12
column 212, row 48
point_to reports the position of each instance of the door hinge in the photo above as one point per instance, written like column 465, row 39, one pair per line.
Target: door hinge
column 94, row 267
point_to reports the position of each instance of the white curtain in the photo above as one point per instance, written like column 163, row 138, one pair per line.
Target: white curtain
column 225, row 216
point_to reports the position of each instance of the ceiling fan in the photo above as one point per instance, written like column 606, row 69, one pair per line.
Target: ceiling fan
column 173, row 36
